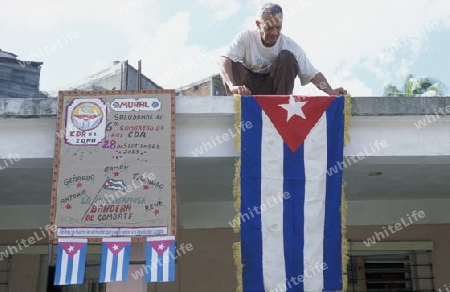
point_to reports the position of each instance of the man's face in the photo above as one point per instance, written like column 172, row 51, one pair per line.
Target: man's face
column 270, row 28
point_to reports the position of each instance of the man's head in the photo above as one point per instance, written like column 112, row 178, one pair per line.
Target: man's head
column 270, row 23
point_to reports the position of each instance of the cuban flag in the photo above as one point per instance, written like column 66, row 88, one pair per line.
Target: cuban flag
column 290, row 220
column 115, row 259
column 114, row 185
column 160, row 259
column 70, row 261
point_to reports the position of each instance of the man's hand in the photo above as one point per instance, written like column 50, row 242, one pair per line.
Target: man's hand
column 321, row 82
column 240, row 89
column 337, row 91
column 226, row 67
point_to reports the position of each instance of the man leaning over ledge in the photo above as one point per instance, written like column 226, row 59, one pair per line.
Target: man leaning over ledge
column 265, row 61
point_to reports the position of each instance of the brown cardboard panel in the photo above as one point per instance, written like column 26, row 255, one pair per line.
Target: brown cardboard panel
column 114, row 171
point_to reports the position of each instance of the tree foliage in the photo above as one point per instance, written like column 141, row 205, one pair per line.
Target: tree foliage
column 414, row 86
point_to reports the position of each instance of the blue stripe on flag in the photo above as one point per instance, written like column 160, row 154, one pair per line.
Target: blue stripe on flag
column 58, row 265
column 103, row 267
column 113, row 267
column 148, row 262
column 251, row 237
column 332, row 233
column 126, row 261
column 293, row 214
column 160, row 273
column 69, row 270
column 172, row 262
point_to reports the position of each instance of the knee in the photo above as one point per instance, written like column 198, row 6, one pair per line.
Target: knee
column 286, row 55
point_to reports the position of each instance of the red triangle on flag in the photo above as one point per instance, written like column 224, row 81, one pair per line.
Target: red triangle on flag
column 116, row 247
column 71, row 248
column 294, row 116
column 160, row 246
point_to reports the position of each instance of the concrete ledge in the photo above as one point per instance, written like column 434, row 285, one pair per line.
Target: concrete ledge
column 399, row 106
column 385, row 212
column 204, row 105
column 198, row 215
column 223, row 106
column 27, row 107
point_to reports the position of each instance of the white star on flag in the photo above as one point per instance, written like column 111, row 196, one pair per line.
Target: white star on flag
column 293, row 108
column 115, row 247
column 71, row 248
column 161, row 246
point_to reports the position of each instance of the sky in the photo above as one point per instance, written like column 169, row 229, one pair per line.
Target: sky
column 360, row 45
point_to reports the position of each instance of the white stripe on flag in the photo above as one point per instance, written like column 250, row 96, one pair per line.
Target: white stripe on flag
column 272, row 219
column 154, row 268
column 314, row 208
column 75, row 264
column 108, row 265
column 166, row 259
column 64, row 261
column 109, row 277
column 119, row 270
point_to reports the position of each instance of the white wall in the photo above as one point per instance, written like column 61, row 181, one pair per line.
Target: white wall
column 218, row 215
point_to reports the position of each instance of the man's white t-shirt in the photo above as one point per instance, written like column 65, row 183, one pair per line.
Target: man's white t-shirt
column 248, row 49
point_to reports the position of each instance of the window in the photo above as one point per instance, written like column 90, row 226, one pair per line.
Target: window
column 390, row 271
column 5, row 266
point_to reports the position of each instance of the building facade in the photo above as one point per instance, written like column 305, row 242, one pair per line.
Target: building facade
column 18, row 79
column 211, row 86
column 396, row 169
column 120, row 76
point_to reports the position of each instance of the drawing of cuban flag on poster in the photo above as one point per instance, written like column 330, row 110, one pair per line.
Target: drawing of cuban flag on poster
column 85, row 122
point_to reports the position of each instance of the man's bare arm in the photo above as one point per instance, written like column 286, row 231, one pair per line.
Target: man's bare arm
column 321, row 82
column 227, row 75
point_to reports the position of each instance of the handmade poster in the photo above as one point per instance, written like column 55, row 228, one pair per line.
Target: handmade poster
column 114, row 164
